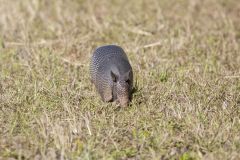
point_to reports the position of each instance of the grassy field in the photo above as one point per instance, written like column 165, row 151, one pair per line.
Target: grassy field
column 186, row 60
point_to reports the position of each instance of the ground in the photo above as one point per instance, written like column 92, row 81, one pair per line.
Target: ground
column 185, row 56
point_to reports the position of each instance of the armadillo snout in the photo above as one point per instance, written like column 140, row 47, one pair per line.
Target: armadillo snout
column 123, row 94
column 124, row 101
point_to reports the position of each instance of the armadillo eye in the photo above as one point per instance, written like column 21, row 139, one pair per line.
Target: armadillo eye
column 128, row 81
column 114, row 80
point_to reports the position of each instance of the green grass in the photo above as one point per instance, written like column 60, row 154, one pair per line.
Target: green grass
column 186, row 60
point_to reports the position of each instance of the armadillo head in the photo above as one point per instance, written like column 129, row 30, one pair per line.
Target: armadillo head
column 123, row 87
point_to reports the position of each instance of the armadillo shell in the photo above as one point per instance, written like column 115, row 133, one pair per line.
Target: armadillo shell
column 105, row 59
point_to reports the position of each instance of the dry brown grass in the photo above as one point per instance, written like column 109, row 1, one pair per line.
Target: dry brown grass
column 186, row 60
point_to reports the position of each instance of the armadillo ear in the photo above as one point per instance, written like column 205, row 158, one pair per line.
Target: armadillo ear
column 114, row 77
column 127, row 75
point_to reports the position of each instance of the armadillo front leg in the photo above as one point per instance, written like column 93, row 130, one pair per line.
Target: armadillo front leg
column 106, row 94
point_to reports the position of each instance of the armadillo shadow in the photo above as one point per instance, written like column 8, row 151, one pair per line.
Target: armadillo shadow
column 136, row 89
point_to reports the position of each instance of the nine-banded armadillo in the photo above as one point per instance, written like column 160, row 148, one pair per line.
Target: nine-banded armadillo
column 112, row 74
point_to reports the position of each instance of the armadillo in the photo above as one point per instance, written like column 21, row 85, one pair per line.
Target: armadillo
column 112, row 75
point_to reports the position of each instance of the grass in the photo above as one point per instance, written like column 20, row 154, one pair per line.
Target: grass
column 186, row 60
